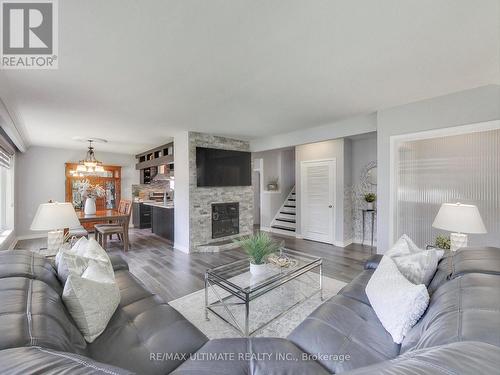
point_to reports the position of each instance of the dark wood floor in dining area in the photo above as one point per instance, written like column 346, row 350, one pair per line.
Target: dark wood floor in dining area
column 172, row 274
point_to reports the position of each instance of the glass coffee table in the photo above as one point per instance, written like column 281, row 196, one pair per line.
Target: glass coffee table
column 231, row 291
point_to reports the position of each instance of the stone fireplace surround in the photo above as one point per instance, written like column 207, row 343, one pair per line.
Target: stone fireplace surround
column 202, row 198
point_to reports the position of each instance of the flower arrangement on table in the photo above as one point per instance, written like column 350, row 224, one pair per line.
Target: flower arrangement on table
column 90, row 193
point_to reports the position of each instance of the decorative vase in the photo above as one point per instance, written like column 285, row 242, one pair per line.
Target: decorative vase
column 90, row 208
column 258, row 269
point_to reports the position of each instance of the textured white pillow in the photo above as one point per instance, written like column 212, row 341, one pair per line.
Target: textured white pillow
column 403, row 246
column 99, row 271
column 398, row 303
column 419, row 268
column 70, row 263
column 82, row 242
column 417, row 265
column 91, row 299
column 93, row 250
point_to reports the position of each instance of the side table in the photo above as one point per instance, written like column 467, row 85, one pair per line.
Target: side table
column 372, row 213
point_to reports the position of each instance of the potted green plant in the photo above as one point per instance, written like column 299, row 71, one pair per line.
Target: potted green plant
column 370, row 199
column 258, row 247
column 443, row 242
column 272, row 185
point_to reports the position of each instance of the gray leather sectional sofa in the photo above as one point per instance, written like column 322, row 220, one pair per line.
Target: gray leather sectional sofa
column 459, row 333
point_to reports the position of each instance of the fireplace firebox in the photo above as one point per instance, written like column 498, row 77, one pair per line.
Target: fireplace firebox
column 225, row 219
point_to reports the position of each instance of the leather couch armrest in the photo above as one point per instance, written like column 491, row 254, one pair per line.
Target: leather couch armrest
column 464, row 358
column 118, row 262
column 36, row 360
column 373, row 261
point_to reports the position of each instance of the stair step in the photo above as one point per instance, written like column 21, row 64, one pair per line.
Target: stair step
column 286, row 220
column 281, row 227
column 289, row 206
column 291, row 199
column 287, row 213
column 293, row 193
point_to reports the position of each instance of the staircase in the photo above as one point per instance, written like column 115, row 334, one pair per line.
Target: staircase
column 284, row 221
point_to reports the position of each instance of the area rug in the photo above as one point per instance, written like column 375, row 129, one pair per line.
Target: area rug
column 289, row 297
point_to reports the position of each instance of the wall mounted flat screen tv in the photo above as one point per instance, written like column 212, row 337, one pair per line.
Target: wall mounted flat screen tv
column 215, row 167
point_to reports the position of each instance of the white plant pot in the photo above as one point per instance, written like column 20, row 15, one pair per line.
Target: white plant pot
column 371, row 205
column 90, row 208
column 258, row 269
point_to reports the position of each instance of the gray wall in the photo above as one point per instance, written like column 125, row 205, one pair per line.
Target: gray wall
column 40, row 176
column 462, row 108
column 363, row 153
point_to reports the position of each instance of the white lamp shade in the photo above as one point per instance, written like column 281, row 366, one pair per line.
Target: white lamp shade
column 461, row 218
column 51, row 216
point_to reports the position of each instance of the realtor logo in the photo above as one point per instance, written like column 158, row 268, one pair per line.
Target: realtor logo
column 29, row 34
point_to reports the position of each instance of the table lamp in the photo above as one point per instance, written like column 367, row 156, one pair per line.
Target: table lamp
column 459, row 218
column 55, row 217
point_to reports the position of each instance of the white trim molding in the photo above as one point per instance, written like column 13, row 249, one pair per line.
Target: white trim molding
column 9, row 126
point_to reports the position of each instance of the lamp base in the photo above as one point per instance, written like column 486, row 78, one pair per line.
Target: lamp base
column 457, row 241
column 55, row 239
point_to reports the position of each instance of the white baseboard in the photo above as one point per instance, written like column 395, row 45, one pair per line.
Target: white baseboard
column 182, row 248
column 31, row 236
column 344, row 243
column 265, row 229
column 359, row 241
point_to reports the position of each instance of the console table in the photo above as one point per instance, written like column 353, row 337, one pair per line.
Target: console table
column 372, row 213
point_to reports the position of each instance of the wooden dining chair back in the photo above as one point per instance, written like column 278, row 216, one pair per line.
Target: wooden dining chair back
column 102, row 232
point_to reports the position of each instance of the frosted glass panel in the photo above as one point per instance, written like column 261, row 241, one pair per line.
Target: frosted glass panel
column 460, row 168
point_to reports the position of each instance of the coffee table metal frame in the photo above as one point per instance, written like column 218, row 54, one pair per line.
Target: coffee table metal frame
column 248, row 294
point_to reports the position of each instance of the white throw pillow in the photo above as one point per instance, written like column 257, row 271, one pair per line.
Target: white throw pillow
column 403, row 246
column 99, row 271
column 70, row 263
column 419, row 268
column 91, row 299
column 93, row 250
column 417, row 265
column 398, row 303
column 82, row 242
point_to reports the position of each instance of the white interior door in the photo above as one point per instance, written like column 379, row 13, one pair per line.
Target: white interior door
column 318, row 200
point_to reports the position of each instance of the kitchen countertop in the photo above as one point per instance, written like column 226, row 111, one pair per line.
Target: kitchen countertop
column 159, row 204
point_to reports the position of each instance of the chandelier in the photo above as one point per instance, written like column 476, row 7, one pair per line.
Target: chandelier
column 89, row 166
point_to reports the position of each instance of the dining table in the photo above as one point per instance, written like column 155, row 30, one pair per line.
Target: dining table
column 108, row 216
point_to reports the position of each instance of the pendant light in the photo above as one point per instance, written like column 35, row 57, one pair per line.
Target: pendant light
column 89, row 166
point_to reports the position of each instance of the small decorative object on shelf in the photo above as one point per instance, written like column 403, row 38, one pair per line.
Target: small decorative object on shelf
column 370, row 199
column 258, row 247
column 272, row 185
column 443, row 242
column 90, row 192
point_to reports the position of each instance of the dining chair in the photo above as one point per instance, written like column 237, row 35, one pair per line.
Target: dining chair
column 103, row 231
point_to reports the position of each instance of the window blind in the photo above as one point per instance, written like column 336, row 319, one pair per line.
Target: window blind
column 7, row 150
column 460, row 168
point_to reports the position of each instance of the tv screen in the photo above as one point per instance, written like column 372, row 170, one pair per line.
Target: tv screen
column 216, row 167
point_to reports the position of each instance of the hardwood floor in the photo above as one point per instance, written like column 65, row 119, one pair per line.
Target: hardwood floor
column 173, row 274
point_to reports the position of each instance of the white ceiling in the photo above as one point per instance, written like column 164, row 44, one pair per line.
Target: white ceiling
column 133, row 72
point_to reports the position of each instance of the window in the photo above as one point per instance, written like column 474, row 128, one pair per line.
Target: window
column 6, row 191
column 455, row 168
